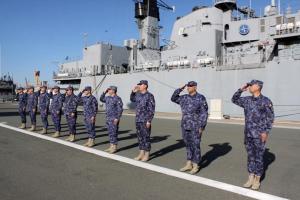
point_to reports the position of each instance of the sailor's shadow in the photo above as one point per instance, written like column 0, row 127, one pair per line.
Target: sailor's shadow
column 129, row 137
column 154, row 139
column 218, row 150
column 102, row 135
column 9, row 114
column 178, row 145
column 269, row 158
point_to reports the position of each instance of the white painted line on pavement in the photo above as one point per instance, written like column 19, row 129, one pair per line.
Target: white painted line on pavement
column 155, row 168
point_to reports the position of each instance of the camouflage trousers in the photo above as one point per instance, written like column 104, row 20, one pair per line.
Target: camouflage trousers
column 192, row 139
column 56, row 118
column 112, row 131
column 143, row 135
column 71, row 120
column 32, row 116
column 44, row 117
column 22, row 114
column 90, row 126
column 255, row 149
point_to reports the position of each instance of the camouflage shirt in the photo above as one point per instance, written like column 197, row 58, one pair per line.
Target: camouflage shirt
column 194, row 110
column 32, row 101
column 70, row 104
column 57, row 102
column 145, row 106
column 22, row 99
column 259, row 114
column 114, row 106
column 90, row 105
column 44, row 101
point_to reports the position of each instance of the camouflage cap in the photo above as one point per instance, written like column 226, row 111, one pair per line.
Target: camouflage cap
column 143, row 82
column 192, row 83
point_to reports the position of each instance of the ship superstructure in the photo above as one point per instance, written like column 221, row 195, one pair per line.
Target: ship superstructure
column 221, row 47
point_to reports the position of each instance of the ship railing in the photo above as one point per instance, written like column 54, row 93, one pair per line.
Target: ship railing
column 288, row 28
column 67, row 75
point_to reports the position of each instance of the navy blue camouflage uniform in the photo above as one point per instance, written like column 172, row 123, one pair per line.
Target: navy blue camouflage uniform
column 56, row 109
column 90, row 109
column 31, row 107
column 44, row 102
column 145, row 109
column 194, row 119
column 259, row 117
column 22, row 99
column 114, row 110
column 70, row 111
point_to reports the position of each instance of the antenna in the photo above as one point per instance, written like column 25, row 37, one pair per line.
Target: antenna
column 279, row 7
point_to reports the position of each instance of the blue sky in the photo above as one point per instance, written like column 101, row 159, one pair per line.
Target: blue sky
column 35, row 34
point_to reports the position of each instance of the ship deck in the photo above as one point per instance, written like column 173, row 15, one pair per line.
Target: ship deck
column 35, row 166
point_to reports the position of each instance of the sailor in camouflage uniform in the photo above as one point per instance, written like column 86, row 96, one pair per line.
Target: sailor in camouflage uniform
column 56, row 109
column 259, row 117
column 90, row 109
column 70, row 111
column 31, row 107
column 44, row 102
column 145, row 109
column 22, row 99
column 114, row 109
column 194, row 119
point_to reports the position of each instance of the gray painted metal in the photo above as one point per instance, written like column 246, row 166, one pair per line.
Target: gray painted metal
column 212, row 45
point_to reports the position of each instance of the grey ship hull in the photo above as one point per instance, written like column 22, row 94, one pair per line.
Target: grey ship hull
column 281, row 85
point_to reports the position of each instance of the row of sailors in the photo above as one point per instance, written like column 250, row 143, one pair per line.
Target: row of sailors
column 258, row 109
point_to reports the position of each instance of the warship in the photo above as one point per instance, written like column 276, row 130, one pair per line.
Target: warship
column 7, row 88
column 221, row 47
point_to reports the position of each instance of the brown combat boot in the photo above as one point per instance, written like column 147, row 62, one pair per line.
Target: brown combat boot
column 146, row 156
column 43, row 131
column 195, row 169
column 188, row 166
column 140, row 156
column 71, row 138
column 32, row 128
column 249, row 183
column 92, row 143
column 22, row 126
column 56, row 134
column 113, row 149
column 87, row 143
column 109, row 148
column 256, row 183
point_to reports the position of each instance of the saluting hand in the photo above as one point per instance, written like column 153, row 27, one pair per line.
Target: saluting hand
column 135, row 89
column 244, row 87
column 183, row 87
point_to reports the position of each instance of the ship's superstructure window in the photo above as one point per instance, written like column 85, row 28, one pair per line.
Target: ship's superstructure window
column 226, row 30
column 279, row 20
column 262, row 25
